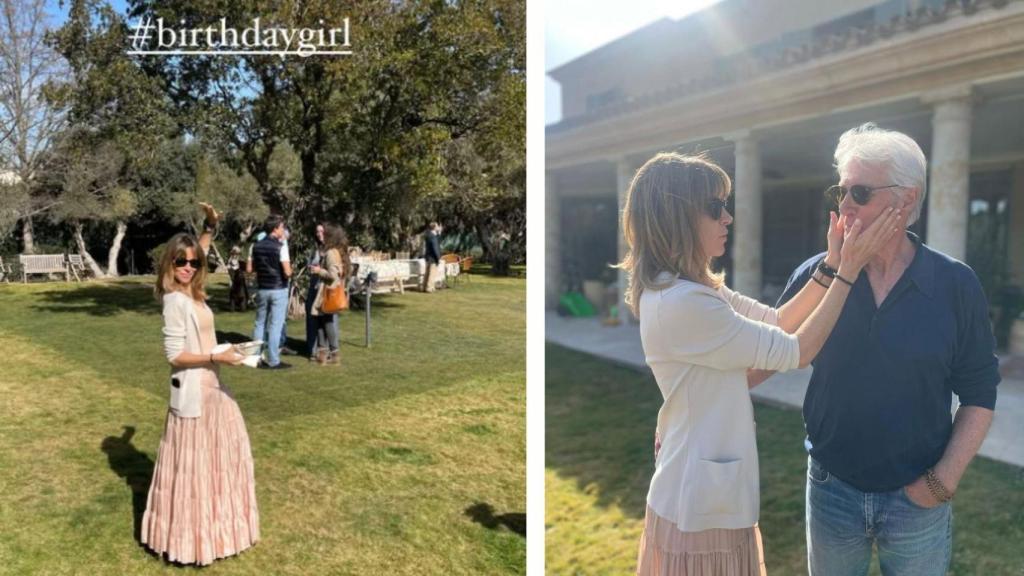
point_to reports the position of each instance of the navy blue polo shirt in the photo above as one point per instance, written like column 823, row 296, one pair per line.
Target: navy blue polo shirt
column 877, row 410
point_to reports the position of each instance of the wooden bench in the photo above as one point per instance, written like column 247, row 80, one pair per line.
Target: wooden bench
column 44, row 264
column 77, row 265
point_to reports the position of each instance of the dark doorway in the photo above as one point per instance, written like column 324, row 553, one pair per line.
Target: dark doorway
column 589, row 229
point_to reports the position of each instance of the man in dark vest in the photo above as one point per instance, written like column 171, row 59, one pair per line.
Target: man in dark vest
column 273, row 268
column 432, row 254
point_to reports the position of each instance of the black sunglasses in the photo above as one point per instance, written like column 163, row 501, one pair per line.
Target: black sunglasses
column 714, row 208
column 861, row 193
column 195, row 263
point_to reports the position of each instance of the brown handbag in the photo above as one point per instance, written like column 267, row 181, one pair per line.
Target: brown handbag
column 335, row 299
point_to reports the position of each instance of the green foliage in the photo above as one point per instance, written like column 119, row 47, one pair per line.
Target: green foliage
column 425, row 121
column 367, row 141
column 155, row 255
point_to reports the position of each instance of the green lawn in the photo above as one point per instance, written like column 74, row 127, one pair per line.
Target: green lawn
column 599, row 461
column 407, row 459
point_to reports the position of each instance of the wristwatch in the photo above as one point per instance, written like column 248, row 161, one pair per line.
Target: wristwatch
column 827, row 270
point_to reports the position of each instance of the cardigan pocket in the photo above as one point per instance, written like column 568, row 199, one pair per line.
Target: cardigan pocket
column 177, row 392
column 717, row 484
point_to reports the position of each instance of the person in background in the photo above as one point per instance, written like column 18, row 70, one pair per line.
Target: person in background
column 273, row 267
column 333, row 274
column 238, row 295
column 315, row 259
column 284, row 350
column 432, row 254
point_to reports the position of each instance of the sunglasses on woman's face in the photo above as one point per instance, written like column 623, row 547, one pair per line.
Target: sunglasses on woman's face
column 195, row 263
column 714, row 208
column 861, row 194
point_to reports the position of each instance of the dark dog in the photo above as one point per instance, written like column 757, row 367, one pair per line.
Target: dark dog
column 239, row 295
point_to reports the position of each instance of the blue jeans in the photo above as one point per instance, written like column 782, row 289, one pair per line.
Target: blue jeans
column 272, row 303
column 843, row 523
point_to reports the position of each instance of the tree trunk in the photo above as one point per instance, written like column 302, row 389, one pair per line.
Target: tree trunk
column 115, row 249
column 89, row 261
column 243, row 237
column 27, row 236
column 483, row 234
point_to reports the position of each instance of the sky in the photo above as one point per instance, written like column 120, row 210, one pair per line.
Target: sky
column 574, row 27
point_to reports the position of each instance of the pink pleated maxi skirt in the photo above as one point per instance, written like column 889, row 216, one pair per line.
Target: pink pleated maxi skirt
column 665, row 550
column 202, row 501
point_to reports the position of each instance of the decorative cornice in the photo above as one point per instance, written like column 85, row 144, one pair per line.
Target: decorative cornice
column 755, row 63
column 949, row 93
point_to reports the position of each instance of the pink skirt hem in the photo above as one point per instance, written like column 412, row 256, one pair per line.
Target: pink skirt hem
column 665, row 550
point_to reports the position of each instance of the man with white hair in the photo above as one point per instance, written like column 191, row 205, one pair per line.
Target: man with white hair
column 885, row 457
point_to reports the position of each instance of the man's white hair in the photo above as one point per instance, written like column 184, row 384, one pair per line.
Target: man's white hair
column 895, row 152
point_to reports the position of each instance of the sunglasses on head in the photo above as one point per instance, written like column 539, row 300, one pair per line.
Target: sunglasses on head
column 714, row 208
column 861, row 194
column 195, row 263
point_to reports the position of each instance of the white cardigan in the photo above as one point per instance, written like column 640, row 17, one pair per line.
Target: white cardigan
column 699, row 343
column 181, row 333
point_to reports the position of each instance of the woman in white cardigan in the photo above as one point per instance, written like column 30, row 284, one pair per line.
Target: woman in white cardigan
column 202, row 500
column 700, row 339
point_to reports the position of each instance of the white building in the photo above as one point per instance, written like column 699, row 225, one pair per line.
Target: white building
column 766, row 87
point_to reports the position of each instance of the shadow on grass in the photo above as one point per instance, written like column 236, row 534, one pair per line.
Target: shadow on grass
column 483, row 514
column 357, row 302
column 100, row 299
column 600, row 421
column 135, row 467
column 238, row 338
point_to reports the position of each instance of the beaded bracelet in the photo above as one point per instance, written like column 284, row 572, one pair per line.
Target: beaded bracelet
column 936, row 487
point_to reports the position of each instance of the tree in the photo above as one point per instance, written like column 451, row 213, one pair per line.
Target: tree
column 92, row 190
column 114, row 108
column 236, row 196
column 29, row 124
column 426, row 120
column 434, row 100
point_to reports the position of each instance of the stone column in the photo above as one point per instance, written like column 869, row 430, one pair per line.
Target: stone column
column 950, row 170
column 746, row 229
column 552, row 244
column 624, row 171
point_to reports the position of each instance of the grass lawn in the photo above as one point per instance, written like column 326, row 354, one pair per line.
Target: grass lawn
column 599, row 461
column 407, row 459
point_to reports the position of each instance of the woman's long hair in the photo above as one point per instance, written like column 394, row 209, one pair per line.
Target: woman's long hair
column 661, row 222
column 336, row 239
column 175, row 248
